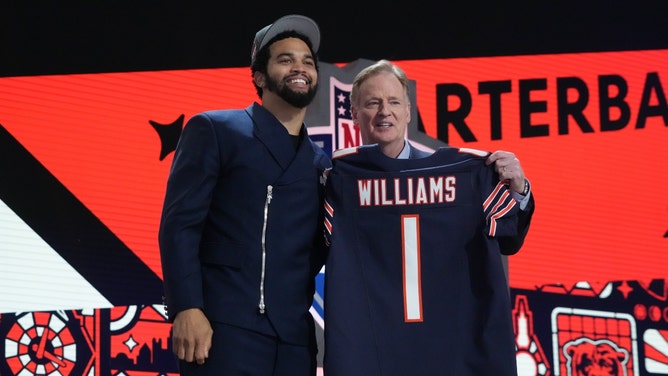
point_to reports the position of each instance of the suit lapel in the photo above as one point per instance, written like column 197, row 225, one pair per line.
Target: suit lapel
column 272, row 134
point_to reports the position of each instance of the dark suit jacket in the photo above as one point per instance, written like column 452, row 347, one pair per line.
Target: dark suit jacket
column 239, row 190
column 508, row 245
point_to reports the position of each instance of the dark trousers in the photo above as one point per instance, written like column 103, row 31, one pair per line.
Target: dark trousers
column 240, row 352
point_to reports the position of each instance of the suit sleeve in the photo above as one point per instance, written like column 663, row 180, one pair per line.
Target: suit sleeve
column 190, row 184
column 511, row 244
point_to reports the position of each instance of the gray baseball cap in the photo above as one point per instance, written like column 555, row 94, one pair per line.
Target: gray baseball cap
column 301, row 24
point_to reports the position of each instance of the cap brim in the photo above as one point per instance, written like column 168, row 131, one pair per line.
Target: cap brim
column 301, row 24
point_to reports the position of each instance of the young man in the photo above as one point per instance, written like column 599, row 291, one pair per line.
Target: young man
column 415, row 282
column 239, row 237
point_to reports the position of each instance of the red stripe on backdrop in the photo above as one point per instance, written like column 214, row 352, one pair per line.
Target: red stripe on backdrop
column 602, row 202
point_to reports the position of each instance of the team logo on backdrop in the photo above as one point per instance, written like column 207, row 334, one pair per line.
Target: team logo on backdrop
column 588, row 358
column 595, row 342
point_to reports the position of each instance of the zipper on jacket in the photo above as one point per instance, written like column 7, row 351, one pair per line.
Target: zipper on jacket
column 261, row 306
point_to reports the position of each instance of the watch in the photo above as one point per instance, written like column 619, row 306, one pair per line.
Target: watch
column 526, row 188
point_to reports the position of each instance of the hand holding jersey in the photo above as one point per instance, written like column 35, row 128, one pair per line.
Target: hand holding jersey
column 508, row 167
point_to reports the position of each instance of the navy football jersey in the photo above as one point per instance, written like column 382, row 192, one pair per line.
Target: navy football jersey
column 414, row 279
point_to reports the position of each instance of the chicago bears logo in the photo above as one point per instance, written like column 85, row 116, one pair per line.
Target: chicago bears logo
column 595, row 358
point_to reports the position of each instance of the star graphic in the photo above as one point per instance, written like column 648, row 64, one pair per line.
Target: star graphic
column 625, row 289
column 341, row 97
column 130, row 343
column 169, row 135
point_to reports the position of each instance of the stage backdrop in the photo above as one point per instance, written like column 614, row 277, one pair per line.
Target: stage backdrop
column 84, row 161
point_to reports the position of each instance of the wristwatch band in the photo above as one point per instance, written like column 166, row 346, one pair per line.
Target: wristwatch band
column 526, row 188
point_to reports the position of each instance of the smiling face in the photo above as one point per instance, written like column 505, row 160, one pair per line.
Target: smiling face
column 382, row 111
column 291, row 73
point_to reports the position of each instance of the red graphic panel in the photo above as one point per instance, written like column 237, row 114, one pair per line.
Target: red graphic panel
column 92, row 132
column 42, row 343
column 656, row 351
column 594, row 342
column 530, row 357
column 140, row 341
column 589, row 130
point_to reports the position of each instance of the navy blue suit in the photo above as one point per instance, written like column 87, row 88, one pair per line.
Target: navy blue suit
column 241, row 223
